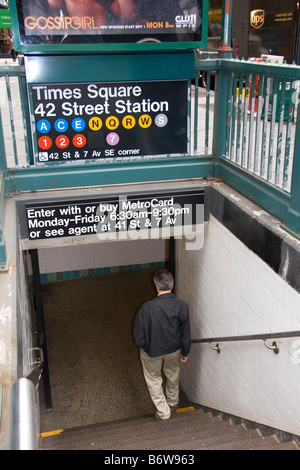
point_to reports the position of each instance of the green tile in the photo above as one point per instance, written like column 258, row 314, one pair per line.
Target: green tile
column 67, row 274
column 75, row 274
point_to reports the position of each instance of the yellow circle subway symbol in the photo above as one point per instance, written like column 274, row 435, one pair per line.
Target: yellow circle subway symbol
column 112, row 123
column 145, row 121
column 128, row 122
column 95, row 123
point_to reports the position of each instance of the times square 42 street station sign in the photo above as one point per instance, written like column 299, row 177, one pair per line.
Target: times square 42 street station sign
column 89, row 121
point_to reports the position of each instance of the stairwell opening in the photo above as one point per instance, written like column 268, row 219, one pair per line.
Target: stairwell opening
column 94, row 366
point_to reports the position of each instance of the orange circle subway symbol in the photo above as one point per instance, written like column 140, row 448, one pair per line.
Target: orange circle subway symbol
column 95, row 123
column 145, row 121
column 112, row 123
column 128, row 122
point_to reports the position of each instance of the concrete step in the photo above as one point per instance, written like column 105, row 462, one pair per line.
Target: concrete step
column 190, row 430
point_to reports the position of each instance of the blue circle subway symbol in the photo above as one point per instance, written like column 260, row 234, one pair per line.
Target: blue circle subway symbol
column 43, row 126
column 78, row 124
column 61, row 125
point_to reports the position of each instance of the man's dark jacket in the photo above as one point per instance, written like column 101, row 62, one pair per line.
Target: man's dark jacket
column 162, row 326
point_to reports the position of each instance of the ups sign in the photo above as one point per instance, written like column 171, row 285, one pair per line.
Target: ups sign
column 257, row 18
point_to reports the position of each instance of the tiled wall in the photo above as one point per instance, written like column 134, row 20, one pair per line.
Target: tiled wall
column 231, row 291
column 85, row 260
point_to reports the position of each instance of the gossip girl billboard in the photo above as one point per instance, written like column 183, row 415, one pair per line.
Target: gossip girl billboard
column 108, row 23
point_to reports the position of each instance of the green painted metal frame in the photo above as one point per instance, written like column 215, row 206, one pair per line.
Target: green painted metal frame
column 35, row 179
column 150, row 65
column 114, row 67
column 284, row 205
column 269, row 197
column 2, row 148
column 225, row 50
column 280, row 203
column 292, row 220
column 109, row 67
column 131, row 67
column 264, row 194
column 3, row 194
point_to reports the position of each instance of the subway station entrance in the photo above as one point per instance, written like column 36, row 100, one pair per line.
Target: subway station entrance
column 104, row 96
column 92, row 371
column 112, row 124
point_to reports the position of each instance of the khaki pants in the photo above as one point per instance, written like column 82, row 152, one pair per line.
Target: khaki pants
column 152, row 368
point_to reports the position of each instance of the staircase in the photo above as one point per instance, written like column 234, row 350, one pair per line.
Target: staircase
column 188, row 429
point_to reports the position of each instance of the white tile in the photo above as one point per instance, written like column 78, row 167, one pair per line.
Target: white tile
column 99, row 255
column 235, row 292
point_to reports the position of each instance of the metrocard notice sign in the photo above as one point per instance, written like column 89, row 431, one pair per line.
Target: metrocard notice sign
column 90, row 121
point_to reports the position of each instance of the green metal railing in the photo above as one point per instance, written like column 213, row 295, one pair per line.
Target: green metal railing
column 256, row 134
column 260, row 121
column 245, row 131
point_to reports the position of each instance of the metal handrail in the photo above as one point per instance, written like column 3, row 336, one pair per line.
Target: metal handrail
column 35, row 373
column 24, row 416
column 289, row 72
column 262, row 336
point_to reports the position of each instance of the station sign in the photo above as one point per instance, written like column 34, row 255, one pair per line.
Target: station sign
column 98, row 121
column 159, row 215
column 60, row 25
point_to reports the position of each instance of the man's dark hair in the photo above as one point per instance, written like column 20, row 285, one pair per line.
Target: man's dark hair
column 163, row 280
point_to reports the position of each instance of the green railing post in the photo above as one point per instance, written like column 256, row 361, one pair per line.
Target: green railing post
column 3, row 255
column 221, row 98
column 3, row 252
column 292, row 222
column 3, row 166
column 221, row 86
column 225, row 49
